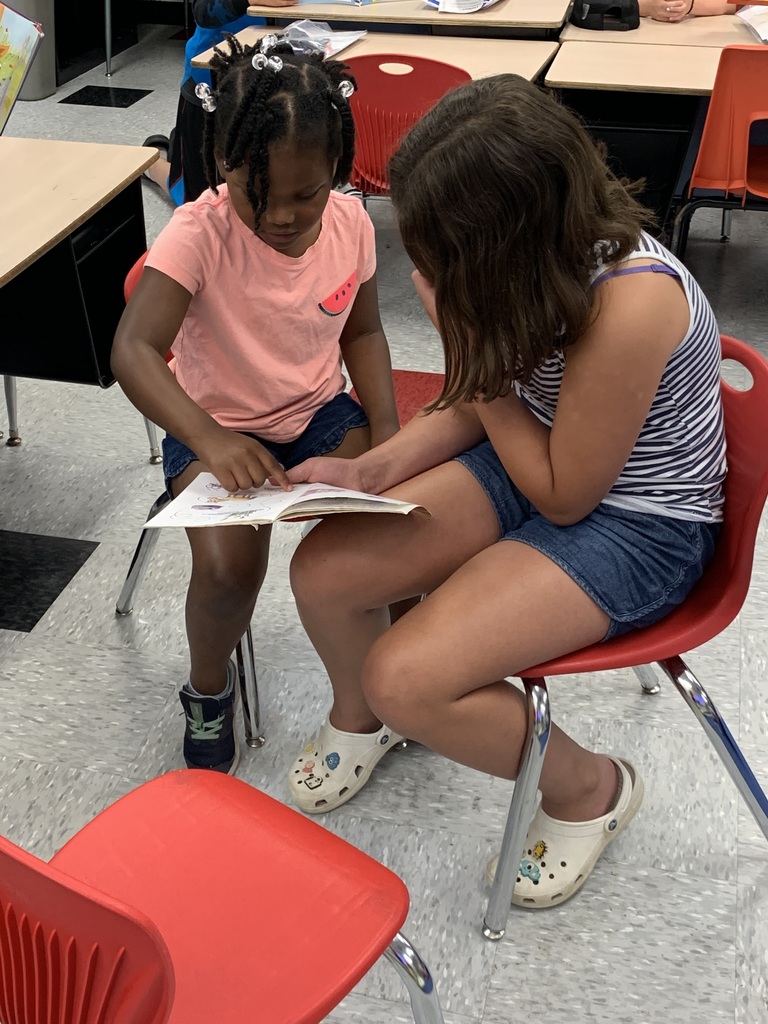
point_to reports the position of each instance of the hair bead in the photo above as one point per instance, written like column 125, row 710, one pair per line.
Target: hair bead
column 203, row 93
column 346, row 88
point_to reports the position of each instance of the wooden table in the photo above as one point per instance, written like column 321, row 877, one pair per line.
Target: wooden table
column 524, row 14
column 720, row 31
column 479, row 57
column 74, row 228
column 635, row 67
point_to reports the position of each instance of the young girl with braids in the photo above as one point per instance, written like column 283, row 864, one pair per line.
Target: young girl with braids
column 260, row 289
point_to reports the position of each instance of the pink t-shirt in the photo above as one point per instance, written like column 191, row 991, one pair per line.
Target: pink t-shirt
column 259, row 346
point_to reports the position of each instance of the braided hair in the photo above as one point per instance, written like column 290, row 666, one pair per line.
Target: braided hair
column 255, row 108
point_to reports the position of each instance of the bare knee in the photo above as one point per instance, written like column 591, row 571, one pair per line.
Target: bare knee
column 228, row 576
column 395, row 686
column 323, row 570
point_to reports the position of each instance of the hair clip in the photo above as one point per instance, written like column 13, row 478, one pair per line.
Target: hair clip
column 261, row 61
column 203, row 92
column 346, row 88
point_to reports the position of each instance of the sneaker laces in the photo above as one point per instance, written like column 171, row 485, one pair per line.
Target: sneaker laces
column 199, row 729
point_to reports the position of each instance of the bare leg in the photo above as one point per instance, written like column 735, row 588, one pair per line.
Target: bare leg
column 228, row 568
column 494, row 609
column 158, row 172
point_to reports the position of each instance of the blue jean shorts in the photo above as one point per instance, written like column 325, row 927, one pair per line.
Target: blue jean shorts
column 637, row 567
column 323, row 434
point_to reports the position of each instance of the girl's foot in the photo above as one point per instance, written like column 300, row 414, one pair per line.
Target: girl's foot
column 559, row 856
column 335, row 765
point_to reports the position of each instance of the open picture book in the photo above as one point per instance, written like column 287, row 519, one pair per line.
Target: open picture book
column 206, row 503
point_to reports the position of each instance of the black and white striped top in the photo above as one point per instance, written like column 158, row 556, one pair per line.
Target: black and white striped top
column 678, row 465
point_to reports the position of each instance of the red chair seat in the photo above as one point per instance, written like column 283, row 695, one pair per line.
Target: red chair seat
column 292, row 942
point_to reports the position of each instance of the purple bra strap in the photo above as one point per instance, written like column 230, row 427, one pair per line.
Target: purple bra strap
column 651, row 268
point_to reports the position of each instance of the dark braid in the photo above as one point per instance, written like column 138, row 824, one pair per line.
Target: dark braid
column 301, row 103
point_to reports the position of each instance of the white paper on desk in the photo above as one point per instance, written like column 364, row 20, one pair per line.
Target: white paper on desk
column 756, row 19
column 461, row 6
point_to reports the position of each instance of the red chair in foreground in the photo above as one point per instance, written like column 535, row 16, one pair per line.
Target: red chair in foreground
column 726, row 160
column 393, row 93
column 711, row 606
column 198, row 900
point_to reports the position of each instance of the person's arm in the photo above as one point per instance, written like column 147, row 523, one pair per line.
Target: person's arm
column 676, row 10
column 366, row 356
column 428, row 440
column 147, row 329
column 610, row 380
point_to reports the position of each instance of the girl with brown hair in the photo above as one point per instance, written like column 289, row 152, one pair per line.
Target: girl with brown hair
column 573, row 467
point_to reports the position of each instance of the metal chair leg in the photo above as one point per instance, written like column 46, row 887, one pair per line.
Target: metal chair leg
column 249, row 694
column 155, row 456
column 719, row 735
column 725, row 226
column 140, row 561
column 13, row 414
column 425, row 1003
column 521, row 809
column 108, row 36
column 648, row 680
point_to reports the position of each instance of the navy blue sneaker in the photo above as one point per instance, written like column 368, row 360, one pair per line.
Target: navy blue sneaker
column 209, row 738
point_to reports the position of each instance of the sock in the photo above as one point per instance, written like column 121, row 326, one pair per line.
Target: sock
column 225, row 693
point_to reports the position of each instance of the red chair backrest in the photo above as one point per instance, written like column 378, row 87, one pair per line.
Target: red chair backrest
column 393, row 93
column 71, row 955
column 740, row 96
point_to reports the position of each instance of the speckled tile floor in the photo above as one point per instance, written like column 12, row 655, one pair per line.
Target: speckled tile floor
column 673, row 926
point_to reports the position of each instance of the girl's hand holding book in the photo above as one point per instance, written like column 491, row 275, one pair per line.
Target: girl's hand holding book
column 238, row 462
column 327, row 470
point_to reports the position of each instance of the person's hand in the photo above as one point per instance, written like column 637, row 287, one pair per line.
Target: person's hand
column 239, row 462
column 276, row 3
column 426, row 292
column 325, row 470
column 665, row 10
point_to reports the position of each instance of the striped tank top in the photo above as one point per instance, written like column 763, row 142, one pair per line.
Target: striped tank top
column 678, row 464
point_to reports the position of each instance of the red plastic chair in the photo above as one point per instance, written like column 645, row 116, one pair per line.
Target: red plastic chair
column 258, row 913
column 726, row 161
column 711, row 606
column 393, row 93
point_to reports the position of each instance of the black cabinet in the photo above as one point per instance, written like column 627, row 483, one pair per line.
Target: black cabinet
column 69, row 301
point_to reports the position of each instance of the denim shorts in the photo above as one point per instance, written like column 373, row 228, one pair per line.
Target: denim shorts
column 637, row 567
column 323, row 434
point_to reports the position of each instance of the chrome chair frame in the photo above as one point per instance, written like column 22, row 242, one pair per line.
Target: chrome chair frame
column 244, row 656
column 521, row 807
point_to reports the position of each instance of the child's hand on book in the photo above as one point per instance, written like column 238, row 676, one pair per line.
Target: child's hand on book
column 325, row 470
column 238, row 462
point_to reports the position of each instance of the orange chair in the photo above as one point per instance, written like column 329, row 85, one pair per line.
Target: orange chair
column 711, row 606
column 393, row 93
column 198, row 900
column 726, row 161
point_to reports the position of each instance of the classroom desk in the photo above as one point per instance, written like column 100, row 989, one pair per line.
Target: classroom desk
column 518, row 14
column 720, row 31
column 644, row 101
column 635, row 67
column 479, row 57
column 72, row 227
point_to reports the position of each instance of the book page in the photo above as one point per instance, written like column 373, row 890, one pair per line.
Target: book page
column 206, row 503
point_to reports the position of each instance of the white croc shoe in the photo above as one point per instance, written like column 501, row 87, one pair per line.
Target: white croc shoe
column 559, row 855
column 335, row 765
